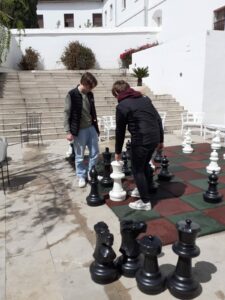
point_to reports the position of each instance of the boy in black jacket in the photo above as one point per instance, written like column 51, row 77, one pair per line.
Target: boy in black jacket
column 81, row 126
column 145, row 126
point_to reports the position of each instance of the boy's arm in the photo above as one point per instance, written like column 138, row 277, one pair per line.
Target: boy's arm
column 67, row 110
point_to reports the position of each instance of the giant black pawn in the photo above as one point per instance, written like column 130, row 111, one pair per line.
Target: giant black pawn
column 158, row 156
column 164, row 174
column 94, row 199
column 212, row 195
column 71, row 158
column 149, row 278
column 129, row 262
column 128, row 149
column 181, row 282
column 102, row 269
column 125, row 168
column 152, row 185
column 107, row 181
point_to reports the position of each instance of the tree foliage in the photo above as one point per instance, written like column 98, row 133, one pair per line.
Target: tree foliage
column 18, row 14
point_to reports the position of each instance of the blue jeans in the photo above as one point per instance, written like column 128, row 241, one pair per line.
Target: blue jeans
column 86, row 137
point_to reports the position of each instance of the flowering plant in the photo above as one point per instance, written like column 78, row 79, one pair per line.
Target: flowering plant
column 126, row 56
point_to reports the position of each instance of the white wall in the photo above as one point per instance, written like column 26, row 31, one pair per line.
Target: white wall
column 214, row 83
column 107, row 44
column 54, row 12
column 133, row 15
column 177, row 68
column 185, row 17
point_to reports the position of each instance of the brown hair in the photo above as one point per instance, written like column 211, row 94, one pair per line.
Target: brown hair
column 89, row 80
column 119, row 86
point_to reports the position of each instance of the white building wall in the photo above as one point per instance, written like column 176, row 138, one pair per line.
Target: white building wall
column 54, row 13
column 185, row 17
column 107, row 44
column 177, row 68
column 133, row 15
column 214, row 83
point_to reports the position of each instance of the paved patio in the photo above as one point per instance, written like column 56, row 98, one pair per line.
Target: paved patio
column 47, row 237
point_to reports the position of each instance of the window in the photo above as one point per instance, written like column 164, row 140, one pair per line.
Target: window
column 97, row 20
column 111, row 12
column 219, row 18
column 124, row 4
column 105, row 18
column 68, row 20
column 40, row 21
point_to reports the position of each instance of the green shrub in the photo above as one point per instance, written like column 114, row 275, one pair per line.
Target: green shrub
column 29, row 60
column 78, row 57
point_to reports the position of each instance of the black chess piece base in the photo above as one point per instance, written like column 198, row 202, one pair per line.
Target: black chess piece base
column 128, row 267
column 183, row 288
column 102, row 274
column 95, row 200
column 150, row 283
column 212, row 198
column 165, row 176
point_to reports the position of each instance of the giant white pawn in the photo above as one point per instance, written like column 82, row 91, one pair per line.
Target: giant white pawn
column 117, row 193
column 187, row 143
column 213, row 166
column 216, row 141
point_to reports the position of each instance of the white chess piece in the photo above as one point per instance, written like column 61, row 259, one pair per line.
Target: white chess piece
column 69, row 151
column 216, row 141
column 187, row 142
column 213, row 165
column 117, row 193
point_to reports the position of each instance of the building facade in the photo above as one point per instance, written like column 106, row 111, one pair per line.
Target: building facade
column 69, row 14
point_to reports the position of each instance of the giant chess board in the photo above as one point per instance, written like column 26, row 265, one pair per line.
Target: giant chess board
column 179, row 199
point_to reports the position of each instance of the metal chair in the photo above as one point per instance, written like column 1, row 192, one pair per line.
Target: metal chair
column 31, row 129
column 192, row 119
column 109, row 123
column 4, row 160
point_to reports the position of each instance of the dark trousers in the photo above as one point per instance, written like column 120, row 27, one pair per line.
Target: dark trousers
column 141, row 169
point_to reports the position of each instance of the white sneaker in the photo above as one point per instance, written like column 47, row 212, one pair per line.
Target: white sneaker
column 81, row 182
column 134, row 193
column 140, row 205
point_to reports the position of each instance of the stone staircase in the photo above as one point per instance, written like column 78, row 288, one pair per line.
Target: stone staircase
column 44, row 91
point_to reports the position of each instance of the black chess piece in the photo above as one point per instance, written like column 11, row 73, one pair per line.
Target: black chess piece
column 149, row 277
column 181, row 282
column 125, row 169
column 164, row 174
column 71, row 158
column 103, row 269
column 94, row 199
column 158, row 156
column 152, row 185
column 107, row 181
column 212, row 195
column 129, row 262
column 128, row 149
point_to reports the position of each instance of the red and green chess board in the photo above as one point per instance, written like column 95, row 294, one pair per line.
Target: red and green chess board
column 181, row 198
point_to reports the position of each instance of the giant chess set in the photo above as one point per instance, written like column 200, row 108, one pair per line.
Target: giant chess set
column 200, row 170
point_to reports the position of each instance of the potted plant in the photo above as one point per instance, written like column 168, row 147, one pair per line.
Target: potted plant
column 140, row 73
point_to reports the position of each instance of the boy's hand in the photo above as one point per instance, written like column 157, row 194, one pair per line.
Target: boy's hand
column 69, row 137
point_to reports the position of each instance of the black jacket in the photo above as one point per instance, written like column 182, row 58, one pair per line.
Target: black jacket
column 76, row 111
column 143, row 120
